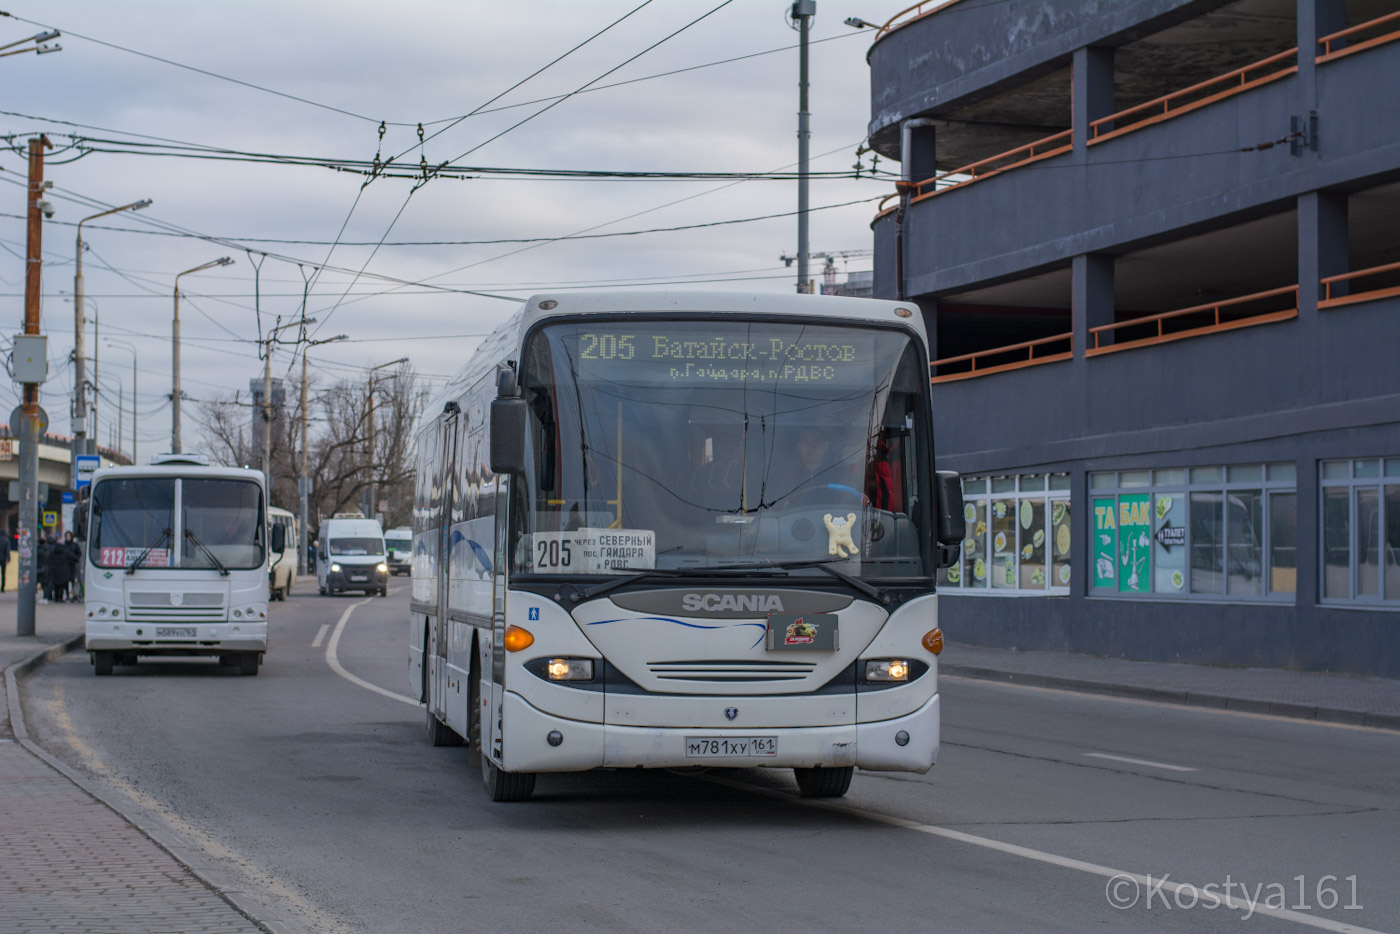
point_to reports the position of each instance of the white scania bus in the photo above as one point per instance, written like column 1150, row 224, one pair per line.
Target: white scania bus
column 177, row 563
column 684, row 529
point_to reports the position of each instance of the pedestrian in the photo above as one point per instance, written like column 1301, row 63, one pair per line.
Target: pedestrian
column 60, row 570
column 74, row 552
column 4, row 558
column 41, row 567
column 311, row 556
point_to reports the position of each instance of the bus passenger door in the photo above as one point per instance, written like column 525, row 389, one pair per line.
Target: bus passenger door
column 441, row 492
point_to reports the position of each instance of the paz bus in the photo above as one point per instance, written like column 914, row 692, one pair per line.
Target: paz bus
column 177, row 563
column 677, row 529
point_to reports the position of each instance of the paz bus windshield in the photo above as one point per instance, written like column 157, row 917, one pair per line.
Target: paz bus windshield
column 220, row 524
column 714, row 442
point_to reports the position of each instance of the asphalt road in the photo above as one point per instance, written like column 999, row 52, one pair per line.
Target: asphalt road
column 319, row 798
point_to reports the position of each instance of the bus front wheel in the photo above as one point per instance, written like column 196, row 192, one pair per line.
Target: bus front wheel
column 506, row 786
column 248, row 663
column 102, row 662
column 823, row 782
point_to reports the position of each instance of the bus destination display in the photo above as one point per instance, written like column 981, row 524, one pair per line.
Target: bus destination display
column 723, row 353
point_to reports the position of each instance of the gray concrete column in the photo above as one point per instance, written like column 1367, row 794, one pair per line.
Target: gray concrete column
column 1091, row 299
column 1316, row 18
column 1092, row 95
column 1322, row 245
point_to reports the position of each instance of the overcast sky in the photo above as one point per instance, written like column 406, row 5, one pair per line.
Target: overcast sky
column 405, row 63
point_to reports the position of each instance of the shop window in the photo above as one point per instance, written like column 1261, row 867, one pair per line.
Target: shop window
column 1018, row 536
column 1361, row 531
column 1212, row 533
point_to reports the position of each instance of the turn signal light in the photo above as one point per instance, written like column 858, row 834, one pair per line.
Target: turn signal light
column 518, row 638
column 933, row 641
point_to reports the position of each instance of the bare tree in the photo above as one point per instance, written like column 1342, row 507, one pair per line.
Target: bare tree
column 347, row 459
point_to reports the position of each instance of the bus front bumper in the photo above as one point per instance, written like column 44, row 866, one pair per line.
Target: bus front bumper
column 177, row 638
column 583, row 746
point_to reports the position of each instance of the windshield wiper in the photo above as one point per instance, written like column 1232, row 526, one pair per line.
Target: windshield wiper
column 640, row 574
column 136, row 563
column 824, row 564
column 189, row 533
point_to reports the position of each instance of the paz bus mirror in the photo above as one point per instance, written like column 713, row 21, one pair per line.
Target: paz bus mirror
column 279, row 538
column 80, row 516
column 952, row 525
column 507, row 426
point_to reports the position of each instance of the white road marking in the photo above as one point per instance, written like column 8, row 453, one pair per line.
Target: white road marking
column 1147, row 762
column 1192, row 708
column 320, row 635
column 1040, row 856
column 340, row 669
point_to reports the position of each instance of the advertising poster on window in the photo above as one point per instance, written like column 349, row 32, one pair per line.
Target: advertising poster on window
column 1169, row 543
column 1134, row 543
column 1105, row 528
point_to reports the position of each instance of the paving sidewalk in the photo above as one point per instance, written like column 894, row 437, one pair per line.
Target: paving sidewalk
column 68, row 862
column 1335, row 698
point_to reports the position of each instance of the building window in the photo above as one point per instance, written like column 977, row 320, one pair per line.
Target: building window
column 1361, row 531
column 1217, row 533
column 1018, row 536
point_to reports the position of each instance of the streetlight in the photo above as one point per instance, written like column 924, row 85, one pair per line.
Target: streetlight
column 304, row 483
column 130, row 348
column 39, row 38
column 175, row 354
column 267, row 395
column 80, row 406
column 374, row 486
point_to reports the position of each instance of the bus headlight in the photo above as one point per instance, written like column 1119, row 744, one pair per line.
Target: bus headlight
column 570, row 669
column 887, row 669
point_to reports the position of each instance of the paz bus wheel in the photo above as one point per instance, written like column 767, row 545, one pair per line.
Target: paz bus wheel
column 102, row 662
column 823, row 782
column 248, row 663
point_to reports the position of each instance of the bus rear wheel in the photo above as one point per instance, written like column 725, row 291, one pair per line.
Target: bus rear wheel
column 439, row 733
column 823, row 782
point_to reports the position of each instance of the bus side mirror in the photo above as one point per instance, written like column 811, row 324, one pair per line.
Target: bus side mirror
column 279, row 538
column 80, row 516
column 508, row 413
column 952, row 525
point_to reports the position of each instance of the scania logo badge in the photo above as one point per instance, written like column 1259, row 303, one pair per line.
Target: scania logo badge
column 731, row 712
column 177, row 599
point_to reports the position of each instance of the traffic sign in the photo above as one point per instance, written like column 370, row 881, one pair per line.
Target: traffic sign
column 87, row 464
column 50, row 518
column 17, row 428
column 14, row 492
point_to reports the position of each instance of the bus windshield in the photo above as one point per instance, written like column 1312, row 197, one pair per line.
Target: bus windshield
column 223, row 524
column 131, row 517
column 356, row 546
column 712, row 443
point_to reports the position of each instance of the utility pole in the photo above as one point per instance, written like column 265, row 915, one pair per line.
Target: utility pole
column 803, row 11
column 267, row 394
column 304, row 485
column 29, row 409
column 175, row 355
column 373, row 483
column 131, row 349
column 80, row 445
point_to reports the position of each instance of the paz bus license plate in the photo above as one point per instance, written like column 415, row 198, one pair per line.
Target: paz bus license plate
column 175, row 632
column 720, row 747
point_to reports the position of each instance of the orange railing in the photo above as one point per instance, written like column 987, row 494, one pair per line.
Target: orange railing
column 1328, row 301
column 1028, row 346
column 1329, row 53
column 907, row 16
column 1185, row 100
column 1218, row 323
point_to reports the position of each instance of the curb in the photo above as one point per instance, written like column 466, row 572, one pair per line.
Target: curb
column 156, row 835
column 1342, row 715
